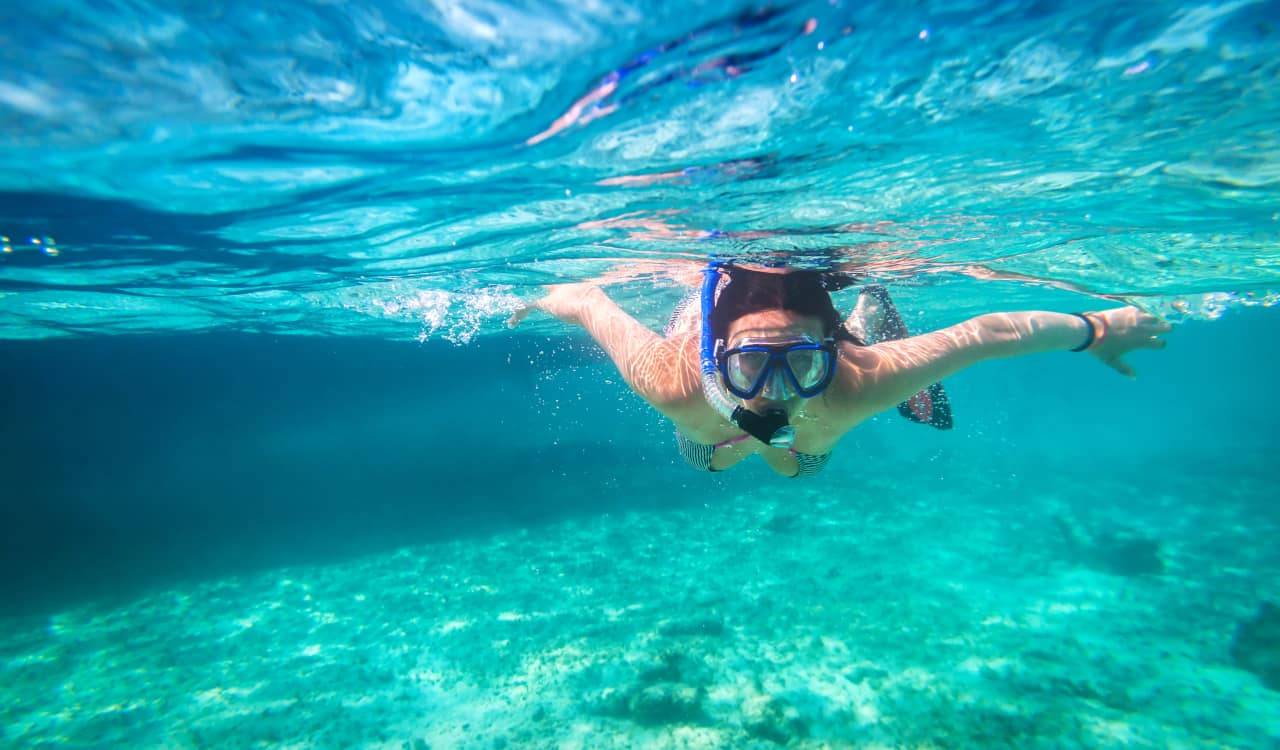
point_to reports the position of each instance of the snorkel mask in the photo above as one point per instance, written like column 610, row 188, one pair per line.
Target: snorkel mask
column 780, row 368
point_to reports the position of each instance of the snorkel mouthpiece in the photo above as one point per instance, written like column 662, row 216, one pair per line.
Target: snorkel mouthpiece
column 770, row 428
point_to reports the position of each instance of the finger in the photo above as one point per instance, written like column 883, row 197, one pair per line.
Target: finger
column 1163, row 326
column 518, row 316
column 1142, row 317
column 1153, row 343
column 1121, row 367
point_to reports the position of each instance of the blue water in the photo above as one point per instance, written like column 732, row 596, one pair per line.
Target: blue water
column 277, row 474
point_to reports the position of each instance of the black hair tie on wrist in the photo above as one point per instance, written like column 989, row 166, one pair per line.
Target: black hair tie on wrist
column 1093, row 332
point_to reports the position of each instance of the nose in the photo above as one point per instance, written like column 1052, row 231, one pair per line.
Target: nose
column 776, row 388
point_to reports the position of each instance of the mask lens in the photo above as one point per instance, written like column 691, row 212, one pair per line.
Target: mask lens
column 745, row 368
column 809, row 366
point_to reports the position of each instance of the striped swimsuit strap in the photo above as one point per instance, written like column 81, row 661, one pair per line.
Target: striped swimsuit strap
column 698, row 455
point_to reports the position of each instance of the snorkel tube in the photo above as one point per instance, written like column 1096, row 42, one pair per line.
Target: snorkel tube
column 770, row 428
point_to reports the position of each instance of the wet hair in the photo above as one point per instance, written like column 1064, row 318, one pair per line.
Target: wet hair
column 804, row 292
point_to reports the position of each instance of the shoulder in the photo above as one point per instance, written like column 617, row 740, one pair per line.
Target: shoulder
column 868, row 377
column 855, row 367
column 668, row 375
column 846, row 401
column 873, row 378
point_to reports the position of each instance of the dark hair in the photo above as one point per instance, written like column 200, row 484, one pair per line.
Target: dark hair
column 803, row 292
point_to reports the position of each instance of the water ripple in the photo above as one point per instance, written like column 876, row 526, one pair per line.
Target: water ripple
column 264, row 168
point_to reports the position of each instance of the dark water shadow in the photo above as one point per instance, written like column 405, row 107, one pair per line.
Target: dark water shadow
column 136, row 462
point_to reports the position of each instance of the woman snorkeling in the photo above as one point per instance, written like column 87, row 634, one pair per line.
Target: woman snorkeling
column 764, row 363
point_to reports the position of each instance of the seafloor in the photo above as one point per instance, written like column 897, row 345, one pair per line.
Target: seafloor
column 1038, row 616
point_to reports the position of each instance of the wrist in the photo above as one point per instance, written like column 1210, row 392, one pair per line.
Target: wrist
column 1093, row 332
column 1096, row 329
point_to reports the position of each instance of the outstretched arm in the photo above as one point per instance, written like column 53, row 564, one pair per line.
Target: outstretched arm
column 657, row 369
column 891, row 372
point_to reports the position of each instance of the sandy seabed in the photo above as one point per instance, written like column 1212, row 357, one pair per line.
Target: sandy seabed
column 796, row 616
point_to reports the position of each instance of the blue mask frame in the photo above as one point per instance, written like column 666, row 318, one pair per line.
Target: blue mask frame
column 778, row 360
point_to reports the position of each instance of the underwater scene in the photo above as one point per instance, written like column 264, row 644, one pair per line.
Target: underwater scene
column 421, row 374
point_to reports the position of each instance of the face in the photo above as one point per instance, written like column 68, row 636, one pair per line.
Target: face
column 779, row 325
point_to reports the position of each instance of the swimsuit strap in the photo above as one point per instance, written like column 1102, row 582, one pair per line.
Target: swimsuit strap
column 733, row 441
column 803, row 457
column 810, row 463
column 698, row 455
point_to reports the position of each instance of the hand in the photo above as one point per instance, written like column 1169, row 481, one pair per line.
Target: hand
column 1120, row 331
column 563, row 301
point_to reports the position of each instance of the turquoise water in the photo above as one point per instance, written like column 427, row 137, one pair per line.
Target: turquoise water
column 276, row 474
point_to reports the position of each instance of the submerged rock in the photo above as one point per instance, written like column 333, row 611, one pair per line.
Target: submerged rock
column 668, row 669
column 776, row 721
column 665, row 691
column 872, row 675
column 1256, row 645
column 1119, row 552
column 782, row 523
column 707, row 625
column 666, row 703
column 1128, row 555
